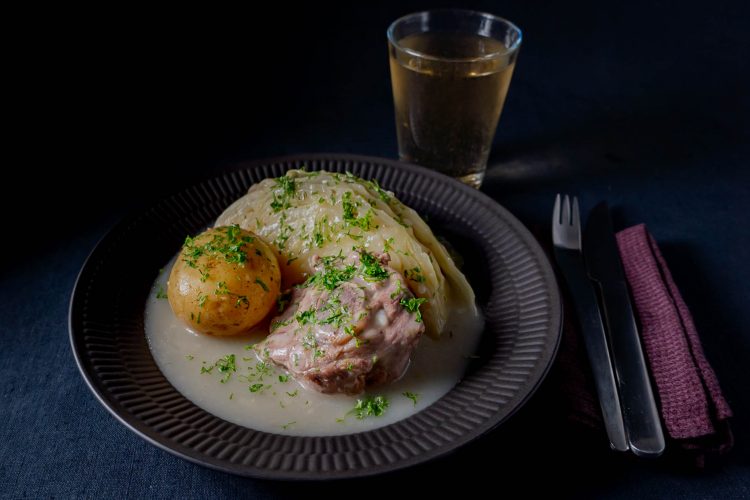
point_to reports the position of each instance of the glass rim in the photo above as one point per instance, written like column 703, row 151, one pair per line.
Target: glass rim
column 422, row 55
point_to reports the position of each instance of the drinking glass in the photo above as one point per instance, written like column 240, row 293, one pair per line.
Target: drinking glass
column 450, row 72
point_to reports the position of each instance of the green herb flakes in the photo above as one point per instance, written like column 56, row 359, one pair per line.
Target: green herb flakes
column 371, row 268
column 262, row 284
column 370, row 407
column 226, row 243
column 351, row 213
column 412, row 305
column 382, row 193
column 283, row 193
column 411, row 395
column 414, row 274
column 305, row 317
column 226, row 366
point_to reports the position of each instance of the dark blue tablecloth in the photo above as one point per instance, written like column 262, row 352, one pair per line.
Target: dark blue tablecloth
column 643, row 104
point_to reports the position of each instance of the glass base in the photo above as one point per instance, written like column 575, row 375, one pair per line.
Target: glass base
column 473, row 180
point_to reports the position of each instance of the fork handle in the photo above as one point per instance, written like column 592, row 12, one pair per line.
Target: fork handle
column 587, row 309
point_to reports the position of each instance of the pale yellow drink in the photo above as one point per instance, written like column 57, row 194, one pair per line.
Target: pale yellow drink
column 449, row 89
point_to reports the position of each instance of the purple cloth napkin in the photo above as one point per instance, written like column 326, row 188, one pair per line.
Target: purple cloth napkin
column 693, row 410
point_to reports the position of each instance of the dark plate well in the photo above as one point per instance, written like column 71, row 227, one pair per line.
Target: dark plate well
column 515, row 287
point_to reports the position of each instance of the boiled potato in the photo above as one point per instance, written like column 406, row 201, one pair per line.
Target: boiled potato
column 225, row 281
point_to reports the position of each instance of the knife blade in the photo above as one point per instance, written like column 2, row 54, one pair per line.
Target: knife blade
column 602, row 257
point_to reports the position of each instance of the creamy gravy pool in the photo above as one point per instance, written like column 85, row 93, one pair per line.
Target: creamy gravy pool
column 287, row 407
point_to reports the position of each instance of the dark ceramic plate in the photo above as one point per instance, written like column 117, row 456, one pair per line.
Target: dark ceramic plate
column 510, row 274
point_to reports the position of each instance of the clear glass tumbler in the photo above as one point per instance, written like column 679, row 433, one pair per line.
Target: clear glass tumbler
column 450, row 72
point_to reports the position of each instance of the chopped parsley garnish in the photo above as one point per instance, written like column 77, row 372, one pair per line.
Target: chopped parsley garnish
column 337, row 312
column 204, row 274
column 370, row 407
column 285, row 231
column 293, row 393
column 398, row 291
column 318, row 239
column 412, row 305
column 189, row 357
column 227, row 366
column 411, row 395
column 222, row 288
column 371, row 268
column 388, row 245
column 330, row 277
column 262, row 284
column 277, row 324
column 305, row 317
column 161, row 293
column 309, row 342
column 288, row 424
column 414, row 274
column 202, row 300
column 283, row 378
column 284, row 191
column 336, row 316
column 399, row 218
column 255, row 387
column 351, row 215
column 373, row 184
column 261, row 368
column 226, row 242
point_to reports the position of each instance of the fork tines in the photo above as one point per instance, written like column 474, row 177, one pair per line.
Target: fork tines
column 566, row 227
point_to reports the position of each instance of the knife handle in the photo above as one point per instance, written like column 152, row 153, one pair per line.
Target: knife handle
column 640, row 413
column 595, row 340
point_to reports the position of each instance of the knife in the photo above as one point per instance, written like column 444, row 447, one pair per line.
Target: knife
column 640, row 415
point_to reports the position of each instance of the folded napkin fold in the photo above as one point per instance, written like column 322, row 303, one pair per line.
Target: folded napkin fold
column 693, row 410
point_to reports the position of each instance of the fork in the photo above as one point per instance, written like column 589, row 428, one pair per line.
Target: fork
column 566, row 236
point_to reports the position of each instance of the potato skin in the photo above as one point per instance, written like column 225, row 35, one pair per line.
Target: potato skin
column 224, row 282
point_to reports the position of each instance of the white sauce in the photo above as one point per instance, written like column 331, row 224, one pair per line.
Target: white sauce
column 287, row 407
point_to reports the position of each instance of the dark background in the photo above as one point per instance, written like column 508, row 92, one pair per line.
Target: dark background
column 642, row 103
